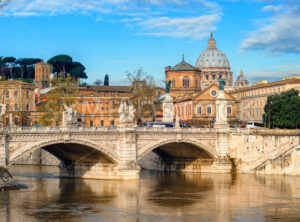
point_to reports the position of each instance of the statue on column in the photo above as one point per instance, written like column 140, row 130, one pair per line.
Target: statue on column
column 69, row 117
column 126, row 113
column 222, row 83
column 221, row 106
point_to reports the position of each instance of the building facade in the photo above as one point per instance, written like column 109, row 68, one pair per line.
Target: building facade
column 42, row 72
column 19, row 100
column 200, row 109
column 252, row 100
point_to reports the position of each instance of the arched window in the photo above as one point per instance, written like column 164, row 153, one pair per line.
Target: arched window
column 186, row 82
column 196, row 82
column 173, row 83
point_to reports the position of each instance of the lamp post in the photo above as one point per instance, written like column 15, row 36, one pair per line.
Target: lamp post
column 269, row 114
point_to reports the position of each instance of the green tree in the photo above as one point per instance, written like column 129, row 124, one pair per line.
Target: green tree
column 62, row 95
column 10, row 63
column 144, row 94
column 282, row 110
column 64, row 64
column 106, row 80
column 27, row 67
column 61, row 64
column 98, row 82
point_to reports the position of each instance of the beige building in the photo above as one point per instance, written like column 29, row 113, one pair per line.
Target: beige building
column 251, row 100
column 19, row 99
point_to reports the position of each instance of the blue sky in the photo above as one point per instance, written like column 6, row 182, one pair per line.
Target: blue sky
column 262, row 37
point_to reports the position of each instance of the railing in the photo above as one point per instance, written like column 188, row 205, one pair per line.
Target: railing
column 39, row 129
column 276, row 131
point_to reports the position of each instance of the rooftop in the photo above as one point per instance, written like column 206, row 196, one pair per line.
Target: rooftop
column 264, row 85
column 183, row 66
column 120, row 89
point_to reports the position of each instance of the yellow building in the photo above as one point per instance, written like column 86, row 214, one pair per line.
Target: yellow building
column 251, row 100
column 19, row 99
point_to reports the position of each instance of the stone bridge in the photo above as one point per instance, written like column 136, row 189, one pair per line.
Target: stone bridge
column 118, row 153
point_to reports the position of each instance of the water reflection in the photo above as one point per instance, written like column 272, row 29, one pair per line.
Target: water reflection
column 156, row 196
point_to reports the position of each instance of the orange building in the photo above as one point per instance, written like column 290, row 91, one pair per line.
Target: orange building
column 185, row 79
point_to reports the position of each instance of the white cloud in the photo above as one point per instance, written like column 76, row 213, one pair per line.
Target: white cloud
column 55, row 7
column 192, row 27
column 173, row 18
column 281, row 34
column 272, row 8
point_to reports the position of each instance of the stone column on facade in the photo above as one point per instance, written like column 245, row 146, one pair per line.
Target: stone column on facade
column 2, row 151
column 221, row 111
column 168, row 109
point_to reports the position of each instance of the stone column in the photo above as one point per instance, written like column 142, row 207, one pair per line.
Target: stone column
column 221, row 111
column 168, row 109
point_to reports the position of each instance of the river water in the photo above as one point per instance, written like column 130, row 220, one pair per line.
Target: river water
column 155, row 196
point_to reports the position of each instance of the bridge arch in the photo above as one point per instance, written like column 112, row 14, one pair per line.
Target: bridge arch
column 89, row 148
column 210, row 151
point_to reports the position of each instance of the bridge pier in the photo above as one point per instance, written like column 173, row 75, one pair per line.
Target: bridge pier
column 222, row 164
column 97, row 171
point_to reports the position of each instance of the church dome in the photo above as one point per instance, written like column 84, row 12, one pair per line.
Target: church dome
column 212, row 57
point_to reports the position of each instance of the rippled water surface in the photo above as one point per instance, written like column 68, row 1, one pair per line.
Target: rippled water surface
column 155, row 197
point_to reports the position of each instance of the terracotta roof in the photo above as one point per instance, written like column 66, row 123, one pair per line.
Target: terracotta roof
column 121, row 89
column 282, row 82
column 183, row 66
column 14, row 82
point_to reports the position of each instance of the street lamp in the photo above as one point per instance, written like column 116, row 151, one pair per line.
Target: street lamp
column 269, row 114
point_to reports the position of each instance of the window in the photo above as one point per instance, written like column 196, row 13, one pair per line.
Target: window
column 27, row 94
column 27, row 107
column 206, row 77
column 112, row 122
column 173, row 82
column 6, row 93
column 196, row 82
column 91, row 123
column 199, row 109
column 16, row 94
column 186, row 82
column 229, row 109
column 102, row 123
column 208, row 109
column 16, row 108
column 213, row 77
